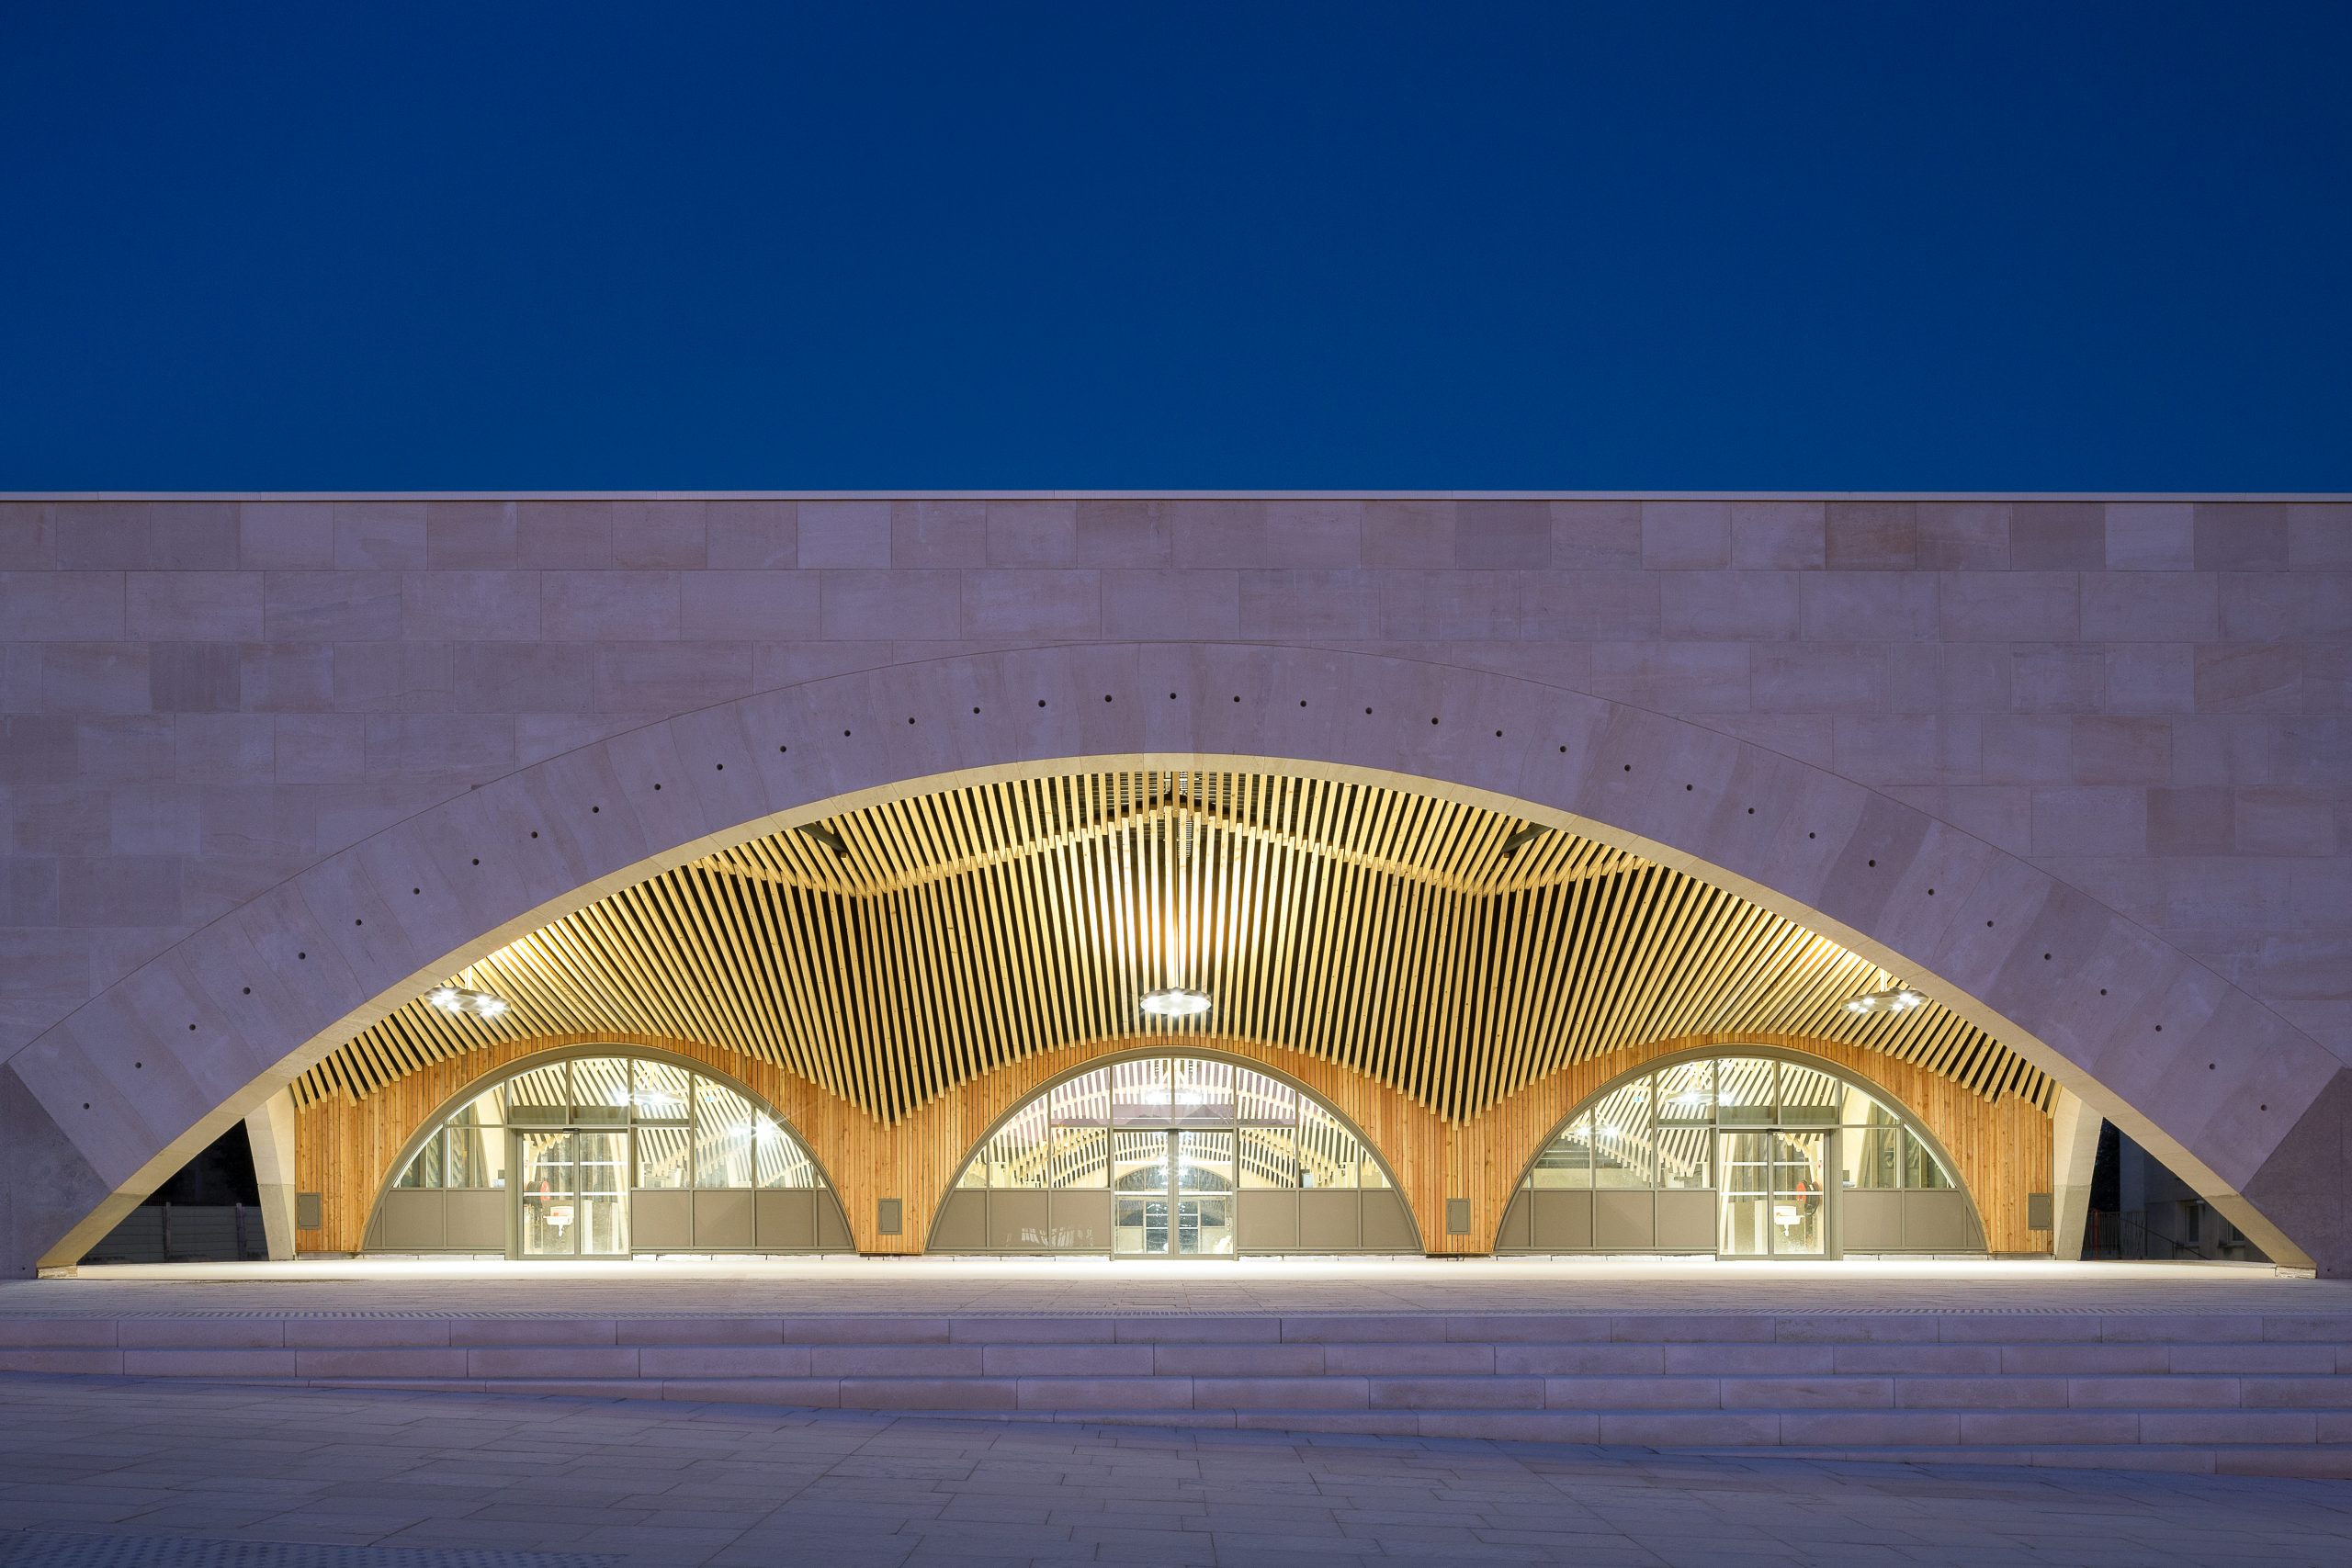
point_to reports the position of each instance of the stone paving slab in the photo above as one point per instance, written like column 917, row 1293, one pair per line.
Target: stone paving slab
column 1404, row 1290
column 435, row 1475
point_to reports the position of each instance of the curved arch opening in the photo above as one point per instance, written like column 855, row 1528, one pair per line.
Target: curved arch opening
column 1174, row 1153
column 1853, row 867
column 1742, row 1150
column 606, row 1150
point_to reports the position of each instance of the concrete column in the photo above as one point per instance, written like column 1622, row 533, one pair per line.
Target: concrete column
column 270, row 1131
column 45, row 1184
column 2073, row 1150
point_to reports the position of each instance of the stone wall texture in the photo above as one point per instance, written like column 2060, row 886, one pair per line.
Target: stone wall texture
column 2146, row 699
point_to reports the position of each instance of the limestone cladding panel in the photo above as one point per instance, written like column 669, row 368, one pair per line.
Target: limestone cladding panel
column 344, row 1148
column 1982, row 660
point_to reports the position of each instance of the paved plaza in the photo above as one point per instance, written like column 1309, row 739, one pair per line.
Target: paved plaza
column 415, row 1480
column 1062, row 1286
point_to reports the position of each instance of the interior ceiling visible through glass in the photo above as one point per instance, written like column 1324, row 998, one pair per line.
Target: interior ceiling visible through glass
column 682, row 1129
column 1185, row 1123
column 893, row 953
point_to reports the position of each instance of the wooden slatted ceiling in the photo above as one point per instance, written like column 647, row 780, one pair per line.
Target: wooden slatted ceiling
column 1446, row 949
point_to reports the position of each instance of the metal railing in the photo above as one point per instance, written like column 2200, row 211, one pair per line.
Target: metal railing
column 184, row 1232
column 2114, row 1234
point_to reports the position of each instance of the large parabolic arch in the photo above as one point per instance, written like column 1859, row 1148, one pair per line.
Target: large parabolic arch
column 106, row 1095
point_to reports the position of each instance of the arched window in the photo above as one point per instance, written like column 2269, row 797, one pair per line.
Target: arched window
column 1742, row 1152
column 1173, row 1156
column 603, row 1152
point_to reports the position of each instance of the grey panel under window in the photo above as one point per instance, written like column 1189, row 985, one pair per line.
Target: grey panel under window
column 1269, row 1222
column 474, row 1219
column 1873, row 1220
column 785, row 1220
column 1386, row 1225
column 662, row 1220
column 722, row 1219
column 1079, row 1219
column 1621, row 1222
column 1328, row 1221
column 411, row 1221
column 1018, row 1221
column 1561, row 1221
column 1686, row 1221
column 1514, row 1236
column 963, row 1221
column 1940, row 1222
column 833, row 1226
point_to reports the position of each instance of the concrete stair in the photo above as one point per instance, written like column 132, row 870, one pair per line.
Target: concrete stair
column 2246, row 1394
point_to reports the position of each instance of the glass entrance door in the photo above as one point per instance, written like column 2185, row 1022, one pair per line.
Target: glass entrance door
column 573, row 1193
column 1173, row 1194
column 1774, row 1201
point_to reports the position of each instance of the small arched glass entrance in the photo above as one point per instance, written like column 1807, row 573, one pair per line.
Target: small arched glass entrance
column 1172, row 1155
column 606, row 1152
column 1745, row 1152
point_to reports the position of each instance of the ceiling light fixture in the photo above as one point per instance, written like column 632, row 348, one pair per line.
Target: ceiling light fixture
column 1898, row 997
column 456, row 999
column 1175, row 1001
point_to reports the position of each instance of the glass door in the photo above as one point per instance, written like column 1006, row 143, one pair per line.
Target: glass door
column 600, row 1161
column 1173, row 1194
column 573, row 1194
column 1140, row 1180
column 549, row 1192
column 1201, row 1165
column 1774, row 1201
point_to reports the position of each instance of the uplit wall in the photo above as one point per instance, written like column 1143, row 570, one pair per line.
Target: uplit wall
column 202, row 701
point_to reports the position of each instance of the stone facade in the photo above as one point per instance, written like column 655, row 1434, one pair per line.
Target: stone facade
column 211, row 710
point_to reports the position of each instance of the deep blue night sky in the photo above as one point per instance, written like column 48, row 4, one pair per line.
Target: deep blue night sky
column 2004, row 246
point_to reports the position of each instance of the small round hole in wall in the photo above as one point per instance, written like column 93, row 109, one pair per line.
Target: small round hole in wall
column 722, row 767
column 249, row 990
column 1873, row 862
column 2102, row 991
column 1041, row 701
column 1751, row 811
column 358, row 922
column 191, row 1029
column 535, row 832
column 301, row 956
column 657, row 789
column 1690, row 787
column 416, row 892
column 477, row 860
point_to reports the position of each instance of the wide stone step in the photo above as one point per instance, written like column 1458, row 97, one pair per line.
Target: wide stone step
column 2248, row 1393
